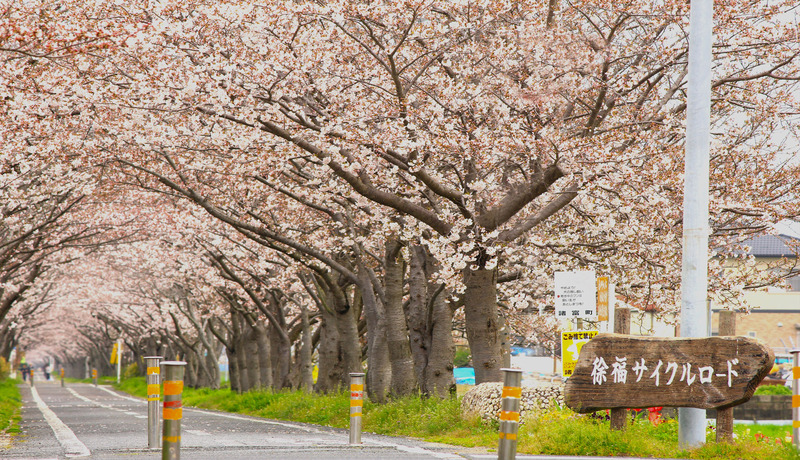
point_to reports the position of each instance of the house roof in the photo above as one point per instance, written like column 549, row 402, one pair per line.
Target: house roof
column 773, row 246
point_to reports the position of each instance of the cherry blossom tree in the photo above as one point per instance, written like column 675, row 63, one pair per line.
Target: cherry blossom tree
column 502, row 139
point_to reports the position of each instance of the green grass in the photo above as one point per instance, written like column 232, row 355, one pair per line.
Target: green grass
column 10, row 406
column 557, row 432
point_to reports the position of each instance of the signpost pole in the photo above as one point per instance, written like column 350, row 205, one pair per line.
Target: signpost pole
column 727, row 326
column 796, row 397
column 94, row 376
column 622, row 325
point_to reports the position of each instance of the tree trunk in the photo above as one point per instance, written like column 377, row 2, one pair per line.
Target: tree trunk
column 403, row 377
column 480, row 315
column 306, row 351
column 330, row 369
column 251, row 355
column 347, row 325
column 439, row 378
column 241, row 352
column 379, row 375
column 280, row 347
column 233, row 367
column 430, row 324
column 264, row 352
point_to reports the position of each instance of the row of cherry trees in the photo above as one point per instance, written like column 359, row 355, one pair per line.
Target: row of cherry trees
column 336, row 183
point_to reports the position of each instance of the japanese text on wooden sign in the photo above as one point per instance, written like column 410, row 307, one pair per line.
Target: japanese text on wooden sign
column 622, row 371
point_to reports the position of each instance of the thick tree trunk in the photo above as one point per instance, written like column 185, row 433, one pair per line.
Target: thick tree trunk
column 430, row 324
column 379, row 375
column 279, row 347
column 306, row 352
column 404, row 381
column 264, row 352
column 439, row 379
column 330, row 366
column 251, row 355
column 480, row 315
column 233, row 367
column 347, row 325
column 417, row 313
column 241, row 353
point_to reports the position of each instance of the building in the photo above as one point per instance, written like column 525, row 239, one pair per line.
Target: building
column 775, row 314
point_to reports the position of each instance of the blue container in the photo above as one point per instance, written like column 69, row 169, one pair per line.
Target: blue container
column 464, row 375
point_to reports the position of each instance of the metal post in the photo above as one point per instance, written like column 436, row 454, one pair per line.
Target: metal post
column 119, row 360
column 31, row 376
column 94, row 376
column 153, row 398
column 173, row 409
column 796, row 397
column 509, row 414
column 62, row 376
column 694, row 275
column 356, row 404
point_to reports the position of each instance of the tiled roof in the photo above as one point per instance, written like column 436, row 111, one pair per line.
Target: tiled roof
column 772, row 246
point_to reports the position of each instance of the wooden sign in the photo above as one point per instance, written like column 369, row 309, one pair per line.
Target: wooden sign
column 621, row 371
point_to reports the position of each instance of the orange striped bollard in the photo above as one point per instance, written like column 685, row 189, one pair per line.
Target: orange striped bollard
column 356, row 404
column 31, row 377
column 94, row 376
column 173, row 409
column 153, row 398
column 796, row 397
column 61, row 373
column 509, row 414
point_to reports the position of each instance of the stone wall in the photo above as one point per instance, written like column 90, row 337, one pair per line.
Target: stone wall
column 761, row 407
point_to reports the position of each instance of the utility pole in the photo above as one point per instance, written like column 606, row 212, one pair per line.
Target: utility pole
column 694, row 276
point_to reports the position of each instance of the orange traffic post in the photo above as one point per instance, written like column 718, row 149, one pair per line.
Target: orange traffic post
column 173, row 409
column 94, row 376
column 153, row 399
column 796, row 397
column 31, row 376
column 509, row 414
column 62, row 376
column 356, row 404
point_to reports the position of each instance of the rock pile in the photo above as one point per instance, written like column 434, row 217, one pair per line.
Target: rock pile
column 484, row 400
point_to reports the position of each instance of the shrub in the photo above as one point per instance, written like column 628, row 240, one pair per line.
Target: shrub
column 462, row 357
column 131, row 371
column 773, row 390
column 5, row 368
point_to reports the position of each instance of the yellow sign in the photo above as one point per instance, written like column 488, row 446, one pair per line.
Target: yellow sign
column 114, row 354
column 571, row 344
column 602, row 298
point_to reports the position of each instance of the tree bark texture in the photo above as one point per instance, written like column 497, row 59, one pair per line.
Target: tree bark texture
column 404, row 381
column 480, row 315
column 379, row 376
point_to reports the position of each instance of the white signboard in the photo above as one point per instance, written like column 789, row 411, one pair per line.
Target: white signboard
column 576, row 294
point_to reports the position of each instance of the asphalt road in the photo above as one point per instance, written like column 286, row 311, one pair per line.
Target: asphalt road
column 83, row 421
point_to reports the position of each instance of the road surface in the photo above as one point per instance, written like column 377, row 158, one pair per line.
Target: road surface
column 84, row 421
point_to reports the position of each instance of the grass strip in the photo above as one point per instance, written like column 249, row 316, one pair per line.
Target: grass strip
column 10, row 406
column 556, row 432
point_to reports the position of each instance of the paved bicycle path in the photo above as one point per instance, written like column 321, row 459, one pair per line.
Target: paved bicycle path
column 84, row 421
